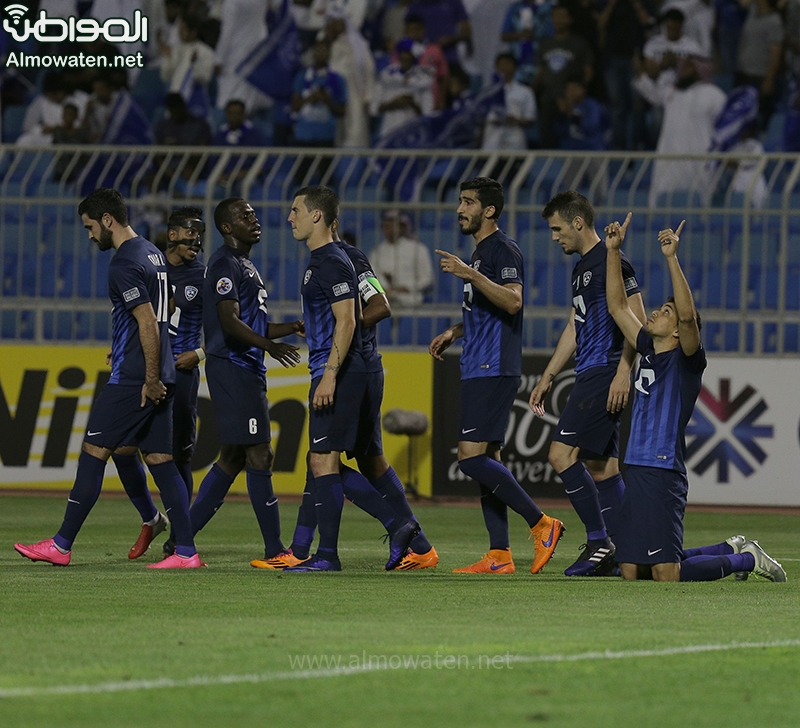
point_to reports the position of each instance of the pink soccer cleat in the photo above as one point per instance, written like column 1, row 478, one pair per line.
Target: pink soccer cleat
column 44, row 551
column 178, row 562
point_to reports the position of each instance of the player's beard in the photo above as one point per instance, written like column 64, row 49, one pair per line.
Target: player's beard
column 106, row 241
column 470, row 226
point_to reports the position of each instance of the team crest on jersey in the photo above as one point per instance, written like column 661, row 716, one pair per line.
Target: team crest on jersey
column 630, row 284
column 340, row 289
column 508, row 273
column 131, row 294
column 224, row 286
column 307, row 277
column 190, row 292
column 476, row 265
column 587, row 276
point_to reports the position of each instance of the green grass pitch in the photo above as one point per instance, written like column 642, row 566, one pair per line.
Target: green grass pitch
column 106, row 642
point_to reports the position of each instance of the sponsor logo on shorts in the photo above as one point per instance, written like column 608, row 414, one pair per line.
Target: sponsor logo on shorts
column 224, row 286
column 131, row 294
column 341, row 288
column 508, row 273
column 652, row 553
column 190, row 292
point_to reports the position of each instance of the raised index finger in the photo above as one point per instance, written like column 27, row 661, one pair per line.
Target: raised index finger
column 680, row 227
column 626, row 223
column 444, row 253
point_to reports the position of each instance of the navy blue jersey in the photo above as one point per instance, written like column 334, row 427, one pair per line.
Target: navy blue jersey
column 330, row 277
column 231, row 276
column 667, row 386
column 366, row 290
column 137, row 274
column 492, row 337
column 186, row 323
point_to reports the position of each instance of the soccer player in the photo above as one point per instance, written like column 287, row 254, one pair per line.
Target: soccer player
column 585, row 446
column 135, row 407
column 237, row 333
column 339, row 378
column 650, row 538
column 380, row 494
column 491, row 366
column 185, row 274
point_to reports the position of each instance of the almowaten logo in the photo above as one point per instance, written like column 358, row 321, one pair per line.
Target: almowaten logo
column 72, row 29
column 729, row 435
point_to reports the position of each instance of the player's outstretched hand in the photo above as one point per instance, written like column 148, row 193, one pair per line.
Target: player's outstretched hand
column 440, row 344
column 186, row 361
column 299, row 327
column 286, row 354
column 618, row 392
column 669, row 240
column 453, row 264
column 156, row 392
column 539, row 392
column 615, row 233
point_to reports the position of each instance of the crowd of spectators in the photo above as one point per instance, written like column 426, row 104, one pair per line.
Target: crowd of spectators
column 576, row 74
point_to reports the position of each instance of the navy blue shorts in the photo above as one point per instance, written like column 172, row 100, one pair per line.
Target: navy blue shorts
column 117, row 420
column 486, row 404
column 651, row 522
column 239, row 397
column 335, row 428
column 184, row 413
column 585, row 421
column 369, row 440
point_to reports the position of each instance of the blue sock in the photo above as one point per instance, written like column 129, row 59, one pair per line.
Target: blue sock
column 82, row 497
column 499, row 480
column 609, row 495
column 495, row 516
column 711, row 568
column 185, row 469
column 393, row 492
column 176, row 503
column 329, row 502
column 134, row 481
column 213, row 489
column 582, row 493
column 361, row 492
column 306, row 521
column 265, row 504
column 718, row 549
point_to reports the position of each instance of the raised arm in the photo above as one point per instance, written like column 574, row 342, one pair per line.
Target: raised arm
column 616, row 300
column 688, row 330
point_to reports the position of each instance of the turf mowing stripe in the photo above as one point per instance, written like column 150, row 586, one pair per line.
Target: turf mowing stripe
column 210, row 680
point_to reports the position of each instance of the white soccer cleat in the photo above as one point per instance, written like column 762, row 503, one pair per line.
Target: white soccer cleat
column 736, row 543
column 766, row 567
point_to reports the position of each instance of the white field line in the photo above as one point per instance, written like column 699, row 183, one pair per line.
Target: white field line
column 213, row 680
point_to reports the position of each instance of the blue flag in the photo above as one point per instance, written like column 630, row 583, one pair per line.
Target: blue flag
column 127, row 123
column 740, row 109
column 271, row 66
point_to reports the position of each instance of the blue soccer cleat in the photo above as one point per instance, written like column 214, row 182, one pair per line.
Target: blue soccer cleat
column 316, row 563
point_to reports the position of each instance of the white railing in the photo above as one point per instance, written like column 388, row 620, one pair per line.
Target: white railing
column 743, row 262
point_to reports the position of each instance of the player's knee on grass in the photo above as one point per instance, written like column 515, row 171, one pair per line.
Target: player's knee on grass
column 666, row 572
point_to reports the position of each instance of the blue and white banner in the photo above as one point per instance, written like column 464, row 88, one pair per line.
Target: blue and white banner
column 127, row 123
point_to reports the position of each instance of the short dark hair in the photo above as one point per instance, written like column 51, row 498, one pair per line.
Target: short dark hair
column 236, row 102
column 490, row 193
column 569, row 205
column 673, row 14
column 414, row 18
column 182, row 215
column 323, row 199
column 697, row 318
column 507, row 57
column 222, row 213
column 104, row 200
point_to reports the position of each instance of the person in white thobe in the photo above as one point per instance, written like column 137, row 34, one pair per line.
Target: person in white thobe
column 691, row 107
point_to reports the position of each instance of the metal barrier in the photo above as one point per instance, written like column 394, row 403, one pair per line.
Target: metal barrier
column 742, row 260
